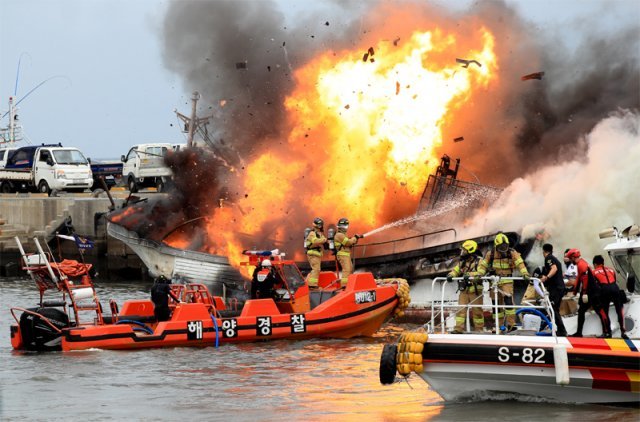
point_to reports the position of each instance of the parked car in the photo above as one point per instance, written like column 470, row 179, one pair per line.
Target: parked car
column 44, row 168
column 144, row 166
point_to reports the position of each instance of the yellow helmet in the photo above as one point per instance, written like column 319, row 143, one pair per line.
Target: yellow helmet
column 470, row 246
column 501, row 242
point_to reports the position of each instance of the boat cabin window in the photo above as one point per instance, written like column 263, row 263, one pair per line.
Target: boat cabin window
column 628, row 264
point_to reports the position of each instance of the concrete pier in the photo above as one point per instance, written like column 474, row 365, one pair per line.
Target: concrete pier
column 37, row 215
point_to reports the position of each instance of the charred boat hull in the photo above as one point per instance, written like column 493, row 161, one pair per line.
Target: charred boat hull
column 179, row 264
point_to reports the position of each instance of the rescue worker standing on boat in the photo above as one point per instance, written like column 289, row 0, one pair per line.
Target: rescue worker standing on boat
column 160, row 294
column 470, row 287
column 502, row 261
column 554, row 283
column 343, row 245
column 314, row 245
column 609, row 292
column 587, row 288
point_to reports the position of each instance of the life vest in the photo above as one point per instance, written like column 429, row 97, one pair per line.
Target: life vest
column 604, row 275
column 262, row 275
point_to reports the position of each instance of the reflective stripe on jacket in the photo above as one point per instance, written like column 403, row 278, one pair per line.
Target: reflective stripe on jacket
column 314, row 243
column 502, row 265
column 343, row 243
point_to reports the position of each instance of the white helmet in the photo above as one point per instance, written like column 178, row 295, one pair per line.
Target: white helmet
column 266, row 263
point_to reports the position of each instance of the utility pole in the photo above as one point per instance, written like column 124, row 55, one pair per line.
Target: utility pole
column 194, row 122
column 12, row 133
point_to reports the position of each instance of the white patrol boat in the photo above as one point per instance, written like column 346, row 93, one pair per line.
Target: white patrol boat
column 530, row 362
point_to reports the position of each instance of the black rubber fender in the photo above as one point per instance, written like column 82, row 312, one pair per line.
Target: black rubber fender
column 388, row 364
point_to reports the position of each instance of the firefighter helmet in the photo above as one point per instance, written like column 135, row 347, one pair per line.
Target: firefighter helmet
column 470, row 246
column 501, row 242
column 573, row 253
column 318, row 223
column 266, row 263
column 343, row 224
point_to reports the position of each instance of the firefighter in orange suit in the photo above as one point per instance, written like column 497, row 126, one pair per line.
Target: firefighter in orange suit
column 470, row 287
column 343, row 245
column 502, row 261
column 314, row 244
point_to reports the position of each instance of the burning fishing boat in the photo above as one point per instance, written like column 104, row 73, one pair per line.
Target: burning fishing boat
column 162, row 259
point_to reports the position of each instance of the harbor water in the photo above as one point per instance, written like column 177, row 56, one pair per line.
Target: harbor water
column 281, row 380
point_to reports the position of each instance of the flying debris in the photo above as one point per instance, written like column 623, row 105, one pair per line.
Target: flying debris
column 458, row 139
column 536, row 75
column 241, row 65
column 370, row 52
column 397, row 87
column 466, row 63
column 396, row 41
column 326, row 23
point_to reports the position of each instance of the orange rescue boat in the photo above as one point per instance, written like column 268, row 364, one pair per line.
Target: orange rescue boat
column 200, row 319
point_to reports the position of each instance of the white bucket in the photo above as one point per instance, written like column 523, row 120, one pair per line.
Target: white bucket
column 531, row 322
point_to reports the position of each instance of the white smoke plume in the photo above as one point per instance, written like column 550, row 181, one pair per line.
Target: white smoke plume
column 574, row 200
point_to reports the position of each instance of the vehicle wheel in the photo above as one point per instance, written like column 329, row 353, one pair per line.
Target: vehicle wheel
column 43, row 187
column 133, row 186
column 5, row 187
column 388, row 364
column 160, row 186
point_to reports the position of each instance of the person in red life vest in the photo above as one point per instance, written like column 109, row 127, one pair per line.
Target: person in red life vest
column 609, row 292
column 589, row 292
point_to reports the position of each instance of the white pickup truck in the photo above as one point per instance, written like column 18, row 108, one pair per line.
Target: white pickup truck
column 45, row 168
column 143, row 166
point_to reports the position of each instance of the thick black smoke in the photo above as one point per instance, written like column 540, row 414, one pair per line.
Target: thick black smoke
column 240, row 55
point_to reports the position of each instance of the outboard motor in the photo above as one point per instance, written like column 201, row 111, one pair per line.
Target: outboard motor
column 37, row 335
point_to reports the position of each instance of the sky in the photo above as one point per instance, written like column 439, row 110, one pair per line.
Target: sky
column 109, row 88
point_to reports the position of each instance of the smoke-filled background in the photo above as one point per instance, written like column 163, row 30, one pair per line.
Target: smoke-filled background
column 279, row 158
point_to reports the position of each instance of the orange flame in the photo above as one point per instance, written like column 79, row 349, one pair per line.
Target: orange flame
column 362, row 141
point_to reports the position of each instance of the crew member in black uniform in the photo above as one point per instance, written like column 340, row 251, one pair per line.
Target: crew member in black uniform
column 554, row 283
column 160, row 293
column 263, row 281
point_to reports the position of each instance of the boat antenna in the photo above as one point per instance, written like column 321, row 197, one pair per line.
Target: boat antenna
column 15, row 90
column 36, row 87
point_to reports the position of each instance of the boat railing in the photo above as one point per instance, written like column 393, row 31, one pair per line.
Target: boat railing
column 398, row 245
column 492, row 283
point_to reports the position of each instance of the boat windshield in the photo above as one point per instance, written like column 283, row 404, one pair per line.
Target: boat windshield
column 293, row 277
column 69, row 156
column 629, row 264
